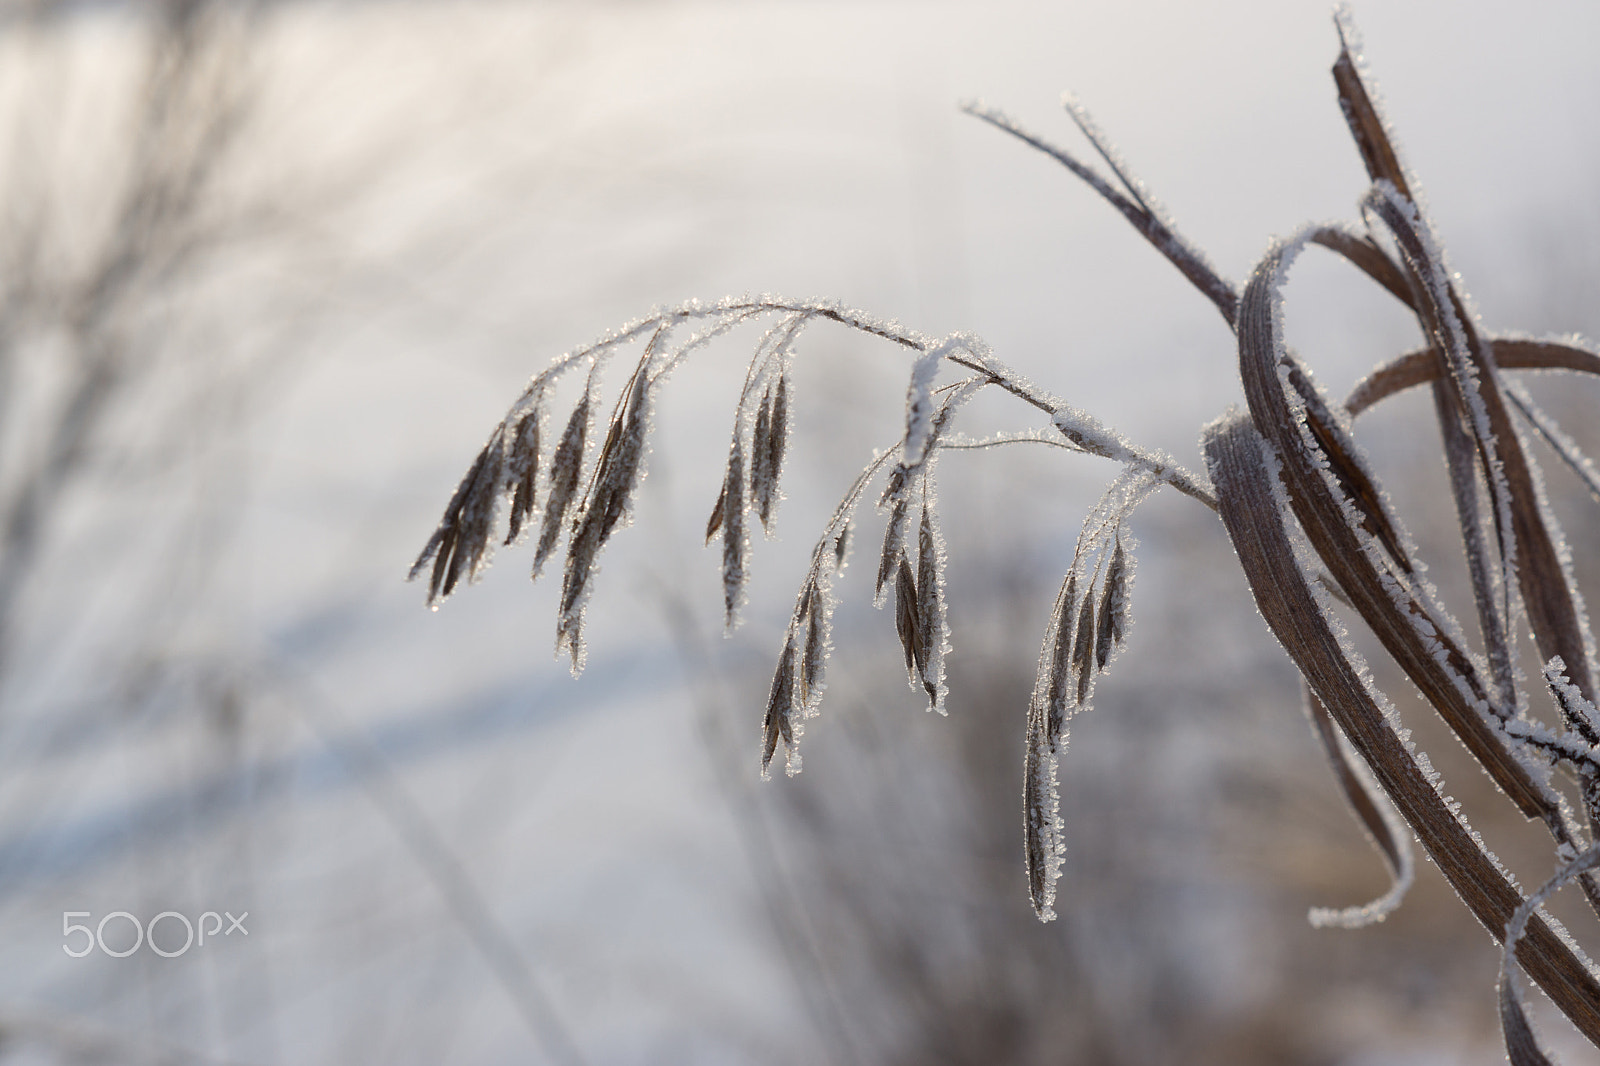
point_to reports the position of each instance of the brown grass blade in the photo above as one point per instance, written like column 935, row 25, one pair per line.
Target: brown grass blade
column 1575, row 707
column 1383, row 165
column 1252, row 513
column 1385, row 831
column 1381, row 592
column 1155, row 229
column 1521, row 1044
column 1372, row 260
column 1476, row 514
column 1548, row 594
column 1344, row 462
column 1361, row 114
column 1108, row 153
column 1420, row 367
column 1550, row 431
column 1522, row 1047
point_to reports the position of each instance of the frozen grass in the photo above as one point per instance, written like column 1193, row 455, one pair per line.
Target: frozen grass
column 1316, row 535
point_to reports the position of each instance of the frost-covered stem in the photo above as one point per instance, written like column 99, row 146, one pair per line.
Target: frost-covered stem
column 1095, row 438
column 1491, row 590
column 1089, row 434
column 1521, row 1046
column 1552, row 434
column 1140, row 211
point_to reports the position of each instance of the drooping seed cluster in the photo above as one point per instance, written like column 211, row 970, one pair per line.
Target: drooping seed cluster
column 753, row 482
column 1087, row 629
column 584, row 493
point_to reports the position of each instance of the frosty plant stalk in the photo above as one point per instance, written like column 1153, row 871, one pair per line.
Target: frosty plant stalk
column 1305, row 513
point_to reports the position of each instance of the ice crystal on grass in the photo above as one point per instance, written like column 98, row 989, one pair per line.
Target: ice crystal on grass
column 1316, row 535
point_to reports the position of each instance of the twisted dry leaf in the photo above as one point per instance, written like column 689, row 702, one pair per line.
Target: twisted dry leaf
column 1254, row 514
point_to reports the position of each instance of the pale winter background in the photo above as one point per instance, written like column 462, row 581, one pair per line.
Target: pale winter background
column 269, row 274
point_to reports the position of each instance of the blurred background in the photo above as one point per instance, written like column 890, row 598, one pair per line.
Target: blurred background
column 269, row 274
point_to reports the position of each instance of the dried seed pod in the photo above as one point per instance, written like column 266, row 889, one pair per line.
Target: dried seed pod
column 621, row 463
column 907, row 624
column 930, row 607
column 777, row 438
column 761, row 459
column 1041, row 823
column 733, row 536
column 460, row 543
column 894, row 535
column 522, row 468
column 477, row 517
column 1106, row 626
column 1059, row 664
column 714, row 523
column 617, row 472
column 444, row 547
column 565, row 468
column 780, row 706
column 894, row 484
column 1083, row 645
column 1118, row 581
column 814, row 656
